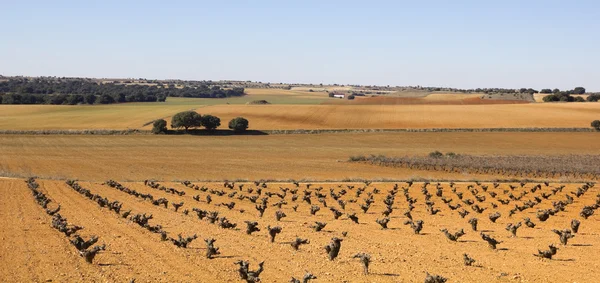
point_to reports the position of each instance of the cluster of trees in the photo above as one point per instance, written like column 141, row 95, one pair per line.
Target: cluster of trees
column 191, row 119
column 564, row 96
column 86, row 91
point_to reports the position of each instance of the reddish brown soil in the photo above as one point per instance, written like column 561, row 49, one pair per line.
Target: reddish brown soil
column 34, row 252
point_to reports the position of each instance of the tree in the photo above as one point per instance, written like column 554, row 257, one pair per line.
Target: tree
column 579, row 99
column 593, row 98
column 596, row 125
column 90, row 99
column 578, row 90
column 239, row 124
column 106, row 99
column 210, row 122
column 186, row 119
column 546, row 90
column 159, row 126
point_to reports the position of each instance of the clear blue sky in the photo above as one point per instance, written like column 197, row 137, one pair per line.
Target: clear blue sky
column 465, row 44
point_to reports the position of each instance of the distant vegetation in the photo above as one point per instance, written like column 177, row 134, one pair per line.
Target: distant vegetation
column 191, row 119
column 564, row 96
column 596, row 125
column 578, row 166
column 258, row 102
column 74, row 91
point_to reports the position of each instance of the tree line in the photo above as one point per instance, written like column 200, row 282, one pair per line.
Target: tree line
column 191, row 119
column 73, row 91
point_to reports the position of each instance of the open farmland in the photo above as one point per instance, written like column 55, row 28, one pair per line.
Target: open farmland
column 286, row 116
column 320, row 157
column 397, row 254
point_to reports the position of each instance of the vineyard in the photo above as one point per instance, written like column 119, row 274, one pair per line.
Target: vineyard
column 298, row 232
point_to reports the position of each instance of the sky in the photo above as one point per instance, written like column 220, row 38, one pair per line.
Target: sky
column 461, row 44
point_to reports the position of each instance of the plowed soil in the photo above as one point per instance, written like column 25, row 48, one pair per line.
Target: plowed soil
column 34, row 252
column 281, row 157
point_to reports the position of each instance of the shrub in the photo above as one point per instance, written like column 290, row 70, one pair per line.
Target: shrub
column 593, row 97
column 186, row 119
column 351, row 97
column 159, row 126
column 596, row 125
column 358, row 158
column 436, row 154
column 239, row 124
column 210, row 122
column 258, row 102
column 579, row 99
column 451, row 155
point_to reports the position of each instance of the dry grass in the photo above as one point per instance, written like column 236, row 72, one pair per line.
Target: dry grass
column 410, row 116
column 557, row 166
column 320, row 156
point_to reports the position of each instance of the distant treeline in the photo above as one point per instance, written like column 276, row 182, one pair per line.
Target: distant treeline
column 86, row 91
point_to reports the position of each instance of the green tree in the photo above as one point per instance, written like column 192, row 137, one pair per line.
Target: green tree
column 578, row 90
column 239, row 124
column 210, row 122
column 596, row 125
column 593, row 97
column 186, row 119
column 159, row 126
column 90, row 99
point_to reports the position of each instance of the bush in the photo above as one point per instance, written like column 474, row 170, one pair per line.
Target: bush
column 579, row 99
column 186, row 119
column 258, row 102
column 358, row 158
column 210, row 122
column 351, row 97
column 159, row 127
column 239, row 124
column 451, row 155
column 436, row 154
column 593, row 98
column 596, row 125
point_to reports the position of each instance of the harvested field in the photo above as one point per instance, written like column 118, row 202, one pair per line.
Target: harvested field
column 321, row 156
column 290, row 110
column 397, row 253
column 431, row 99
column 267, row 117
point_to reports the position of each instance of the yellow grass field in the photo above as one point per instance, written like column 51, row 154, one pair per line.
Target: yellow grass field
column 321, row 157
column 409, row 116
column 288, row 116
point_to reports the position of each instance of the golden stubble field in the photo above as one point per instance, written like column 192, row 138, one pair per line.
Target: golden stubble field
column 32, row 251
column 306, row 110
column 315, row 157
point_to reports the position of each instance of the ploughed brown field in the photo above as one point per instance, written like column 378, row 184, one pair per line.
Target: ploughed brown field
column 279, row 157
column 32, row 251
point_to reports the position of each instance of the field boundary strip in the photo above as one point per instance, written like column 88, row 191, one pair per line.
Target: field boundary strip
column 294, row 131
